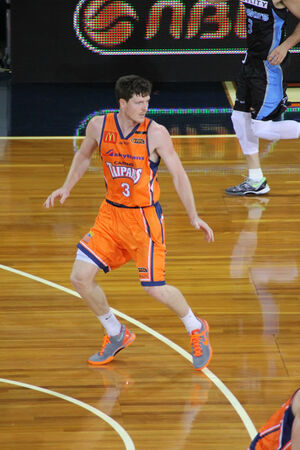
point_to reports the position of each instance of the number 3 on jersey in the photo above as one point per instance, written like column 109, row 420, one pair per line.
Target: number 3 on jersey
column 126, row 191
column 250, row 26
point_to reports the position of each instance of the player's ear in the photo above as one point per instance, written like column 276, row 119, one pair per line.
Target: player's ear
column 122, row 102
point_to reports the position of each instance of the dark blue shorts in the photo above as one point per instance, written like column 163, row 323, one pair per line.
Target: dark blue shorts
column 261, row 89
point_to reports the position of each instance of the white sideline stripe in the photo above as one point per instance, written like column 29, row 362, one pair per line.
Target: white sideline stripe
column 293, row 94
column 35, row 138
column 117, row 427
column 231, row 92
column 212, row 136
column 176, row 136
column 220, row 385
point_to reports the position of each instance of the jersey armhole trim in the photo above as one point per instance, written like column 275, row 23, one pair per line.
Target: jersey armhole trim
column 101, row 134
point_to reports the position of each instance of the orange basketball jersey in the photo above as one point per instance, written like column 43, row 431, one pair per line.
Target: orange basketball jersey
column 130, row 176
column 276, row 433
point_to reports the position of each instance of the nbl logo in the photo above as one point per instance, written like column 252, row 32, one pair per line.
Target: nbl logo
column 118, row 27
column 106, row 23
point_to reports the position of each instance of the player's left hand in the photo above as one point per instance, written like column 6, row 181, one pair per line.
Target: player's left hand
column 277, row 55
column 199, row 224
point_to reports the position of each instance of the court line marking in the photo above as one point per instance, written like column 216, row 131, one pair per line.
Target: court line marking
column 230, row 92
column 293, row 94
column 218, row 383
column 16, row 138
column 206, row 136
column 129, row 445
column 177, row 136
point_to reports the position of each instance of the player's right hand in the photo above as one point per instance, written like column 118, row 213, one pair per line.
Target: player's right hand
column 278, row 54
column 199, row 224
column 61, row 193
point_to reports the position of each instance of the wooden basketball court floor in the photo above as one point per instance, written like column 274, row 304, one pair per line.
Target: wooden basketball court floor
column 246, row 285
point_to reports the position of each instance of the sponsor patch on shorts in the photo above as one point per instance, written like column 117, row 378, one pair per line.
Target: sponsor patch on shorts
column 87, row 237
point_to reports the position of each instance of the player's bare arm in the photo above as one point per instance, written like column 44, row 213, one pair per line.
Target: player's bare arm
column 280, row 52
column 292, row 5
column 296, row 424
column 160, row 144
column 80, row 163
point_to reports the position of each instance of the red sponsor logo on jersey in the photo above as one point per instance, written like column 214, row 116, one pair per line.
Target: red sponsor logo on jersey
column 110, row 136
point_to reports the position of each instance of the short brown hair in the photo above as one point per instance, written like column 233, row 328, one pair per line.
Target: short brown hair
column 130, row 85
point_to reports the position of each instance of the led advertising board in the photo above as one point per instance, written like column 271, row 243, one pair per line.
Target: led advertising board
column 99, row 40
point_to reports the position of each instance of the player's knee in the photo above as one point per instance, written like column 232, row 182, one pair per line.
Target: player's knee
column 155, row 291
column 263, row 129
column 79, row 281
column 82, row 276
column 240, row 121
column 242, row 126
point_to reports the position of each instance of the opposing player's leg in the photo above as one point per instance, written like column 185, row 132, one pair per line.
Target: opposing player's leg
column 275, row 130
column 256, row 183
column 261, row 90
column 249, row 142
column 266, row 116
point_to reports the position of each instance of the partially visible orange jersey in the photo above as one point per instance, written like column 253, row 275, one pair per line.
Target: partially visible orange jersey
column 276, row 433
column 130, row 176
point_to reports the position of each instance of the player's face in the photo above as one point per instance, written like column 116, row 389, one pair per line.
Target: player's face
column 136, row 107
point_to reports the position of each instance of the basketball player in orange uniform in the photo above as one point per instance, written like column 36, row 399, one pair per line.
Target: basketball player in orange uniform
column 130, row 223
column 282, row 431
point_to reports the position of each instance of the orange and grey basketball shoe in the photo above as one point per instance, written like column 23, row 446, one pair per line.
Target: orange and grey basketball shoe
column 201, row 349
column 111, row 346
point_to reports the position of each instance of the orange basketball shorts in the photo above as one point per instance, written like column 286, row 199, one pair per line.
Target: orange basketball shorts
column 121, row 234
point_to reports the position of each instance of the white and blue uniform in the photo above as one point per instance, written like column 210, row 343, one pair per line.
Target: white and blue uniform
column 260, row 85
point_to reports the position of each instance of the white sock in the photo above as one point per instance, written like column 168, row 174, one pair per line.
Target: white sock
column 191, row 322
column 110, row 323
column 255, row 174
